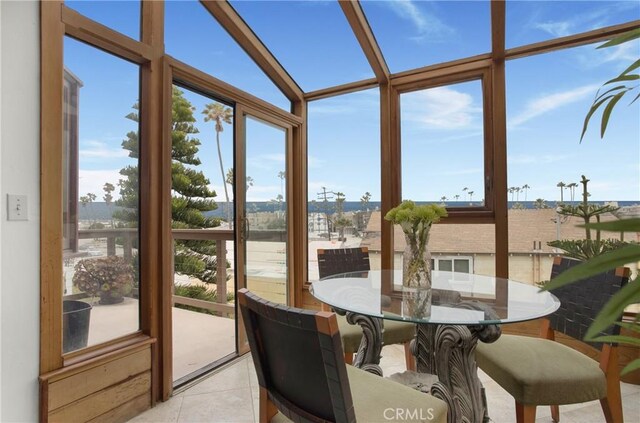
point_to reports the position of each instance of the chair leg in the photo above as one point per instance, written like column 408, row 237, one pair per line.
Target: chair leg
column 525, row 413
column 612, row 409
column 409, row 357
column 348, row 358
column 267, row 407
column 555, row 413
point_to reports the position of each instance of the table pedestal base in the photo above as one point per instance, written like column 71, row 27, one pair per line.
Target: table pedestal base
column 448, row 351
column 368, row 355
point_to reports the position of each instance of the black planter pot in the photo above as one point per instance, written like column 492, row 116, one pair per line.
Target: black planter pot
column 75, row 324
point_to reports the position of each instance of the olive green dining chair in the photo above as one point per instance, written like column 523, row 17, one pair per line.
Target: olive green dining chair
column 541, row 371
column 335, row 261
column 302, row 377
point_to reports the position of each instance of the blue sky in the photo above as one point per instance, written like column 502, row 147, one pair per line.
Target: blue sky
column 547, row 96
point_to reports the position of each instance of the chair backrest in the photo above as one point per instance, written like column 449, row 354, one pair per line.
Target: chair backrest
column 580, row 302
column 334, row 261
column 298, row 359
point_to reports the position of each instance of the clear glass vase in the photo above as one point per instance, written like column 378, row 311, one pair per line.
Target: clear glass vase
column 416, row 262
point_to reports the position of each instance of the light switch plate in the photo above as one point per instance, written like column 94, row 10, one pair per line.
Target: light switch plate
column 16, row 207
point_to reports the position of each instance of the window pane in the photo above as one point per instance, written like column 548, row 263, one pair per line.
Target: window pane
column 204, row 329
column 121, row 16
column 266, row 210
column 101, row 214
column 344, row 174
column 461, row 266
column 532, row 21
column 195, row 37
column 443, row 145
column 413, row 34
column 320, row 25
column 546, row 159
column 445, row 265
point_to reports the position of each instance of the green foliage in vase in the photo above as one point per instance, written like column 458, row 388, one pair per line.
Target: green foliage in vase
column 416, row 222
column 413, row 218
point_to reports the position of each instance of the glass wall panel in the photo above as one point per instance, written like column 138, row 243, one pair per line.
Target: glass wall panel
column 533, row 21
column 344, row 175
column 443, row 145
column 321, row 31
column 413, row 34
column 546, row 159
column 100, row 196
column 193, row 36
column 202, row 201
column 122, row 16
column 266, row 210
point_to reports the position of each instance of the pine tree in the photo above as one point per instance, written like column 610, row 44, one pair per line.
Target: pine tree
column 191, row 196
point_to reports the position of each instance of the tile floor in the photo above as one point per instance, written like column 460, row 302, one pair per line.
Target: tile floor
column 231, row 395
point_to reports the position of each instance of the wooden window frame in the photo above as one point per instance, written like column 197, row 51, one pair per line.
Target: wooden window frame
column 57, row 20
column 480, row 72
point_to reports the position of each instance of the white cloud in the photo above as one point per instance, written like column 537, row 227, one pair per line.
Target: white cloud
column 441, row 108
column 93, row 180
column 585, row 21
column 428, row 26
column 100, row 150
column 525, row 159
column 557, row 29
column 550, row 102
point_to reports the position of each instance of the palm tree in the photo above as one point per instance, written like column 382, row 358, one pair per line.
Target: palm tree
column 282, row 174
column 443, row 199
column 561, row 185
column 517, row 189
column 220, row 114
column 456, row 197
column 511, row 191
column 525, row 187
column 572, row 187
column 470, row 196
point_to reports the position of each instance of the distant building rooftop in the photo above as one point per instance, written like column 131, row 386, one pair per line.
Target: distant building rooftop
column 525, row 227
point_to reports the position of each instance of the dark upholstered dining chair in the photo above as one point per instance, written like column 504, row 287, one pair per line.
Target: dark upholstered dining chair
column 540, row 371
column 344, row 260
column 297, row 355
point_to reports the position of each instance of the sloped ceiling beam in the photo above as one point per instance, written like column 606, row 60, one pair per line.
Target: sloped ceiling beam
column 227, row 16
column 356, row 18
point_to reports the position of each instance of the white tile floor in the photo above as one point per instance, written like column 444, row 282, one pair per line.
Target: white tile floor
column 231, row 395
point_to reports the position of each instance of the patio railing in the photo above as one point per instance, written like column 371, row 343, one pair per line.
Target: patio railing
column 220, row 306
column 127, row 235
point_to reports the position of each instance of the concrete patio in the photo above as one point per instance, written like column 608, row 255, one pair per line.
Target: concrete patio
column 198, row 339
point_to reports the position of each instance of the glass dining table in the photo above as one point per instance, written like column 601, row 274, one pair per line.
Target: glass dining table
column 457, row 311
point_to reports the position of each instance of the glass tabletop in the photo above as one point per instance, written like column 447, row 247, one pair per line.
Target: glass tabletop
column 455, row 298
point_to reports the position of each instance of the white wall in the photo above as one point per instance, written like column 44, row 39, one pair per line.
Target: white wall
column 19, row 241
